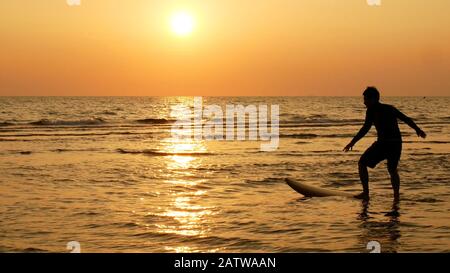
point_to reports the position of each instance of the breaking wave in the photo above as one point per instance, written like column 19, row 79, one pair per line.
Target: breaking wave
column 47, row 122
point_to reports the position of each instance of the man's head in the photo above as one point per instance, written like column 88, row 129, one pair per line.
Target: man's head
column 371, row 96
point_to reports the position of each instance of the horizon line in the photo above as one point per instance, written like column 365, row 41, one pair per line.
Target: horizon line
column 218, row 96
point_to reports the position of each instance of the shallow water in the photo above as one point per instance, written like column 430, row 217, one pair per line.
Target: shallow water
column 105, row 172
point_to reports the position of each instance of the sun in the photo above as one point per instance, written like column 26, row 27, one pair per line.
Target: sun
column 182, row 23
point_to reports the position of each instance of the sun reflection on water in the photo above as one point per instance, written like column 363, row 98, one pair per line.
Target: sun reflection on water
column 191, row 218
column 180, row 162
column 187, row 208
column 184, row 249
column 183, row 153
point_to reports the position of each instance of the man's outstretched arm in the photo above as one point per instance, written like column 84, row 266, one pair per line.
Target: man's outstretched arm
column 410, row 123
column 362, row 132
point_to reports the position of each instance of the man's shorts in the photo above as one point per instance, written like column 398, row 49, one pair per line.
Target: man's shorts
column 379, row 151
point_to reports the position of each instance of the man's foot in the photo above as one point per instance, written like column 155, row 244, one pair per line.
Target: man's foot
column 363, row 196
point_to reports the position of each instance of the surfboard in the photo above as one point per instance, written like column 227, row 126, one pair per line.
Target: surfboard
column 312, row 191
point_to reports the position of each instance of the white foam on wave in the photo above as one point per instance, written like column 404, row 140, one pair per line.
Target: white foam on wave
column 91, row 121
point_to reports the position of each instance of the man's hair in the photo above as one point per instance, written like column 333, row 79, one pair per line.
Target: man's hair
column 371, row 92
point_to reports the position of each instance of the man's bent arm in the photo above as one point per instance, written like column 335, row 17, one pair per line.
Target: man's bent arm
column 407, row 120
column 363, row 131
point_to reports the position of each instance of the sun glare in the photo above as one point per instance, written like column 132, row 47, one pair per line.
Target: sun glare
column 182, row 23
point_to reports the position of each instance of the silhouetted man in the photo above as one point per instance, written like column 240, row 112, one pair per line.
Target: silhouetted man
column 389, row 143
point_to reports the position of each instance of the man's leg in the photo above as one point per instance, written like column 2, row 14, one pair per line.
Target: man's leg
column 370, row 158
column 392, row 163
column 395, row 181
column 364, row 177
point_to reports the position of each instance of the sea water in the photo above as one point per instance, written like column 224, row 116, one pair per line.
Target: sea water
column 107, row 173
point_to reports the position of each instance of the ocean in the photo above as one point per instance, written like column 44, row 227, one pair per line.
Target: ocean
column 106, row 172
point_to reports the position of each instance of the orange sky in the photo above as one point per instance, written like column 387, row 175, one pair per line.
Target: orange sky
column 238, row 47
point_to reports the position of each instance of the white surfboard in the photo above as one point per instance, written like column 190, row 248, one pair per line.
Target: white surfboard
column 312, row 191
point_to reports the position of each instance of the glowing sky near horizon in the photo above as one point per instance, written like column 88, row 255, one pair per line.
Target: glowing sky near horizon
column 266, row 47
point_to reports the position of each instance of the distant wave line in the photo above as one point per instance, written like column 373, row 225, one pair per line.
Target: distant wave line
column 81, row 134
column 161, row 153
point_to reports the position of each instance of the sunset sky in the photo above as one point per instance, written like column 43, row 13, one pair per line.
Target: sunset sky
column 236, row 47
